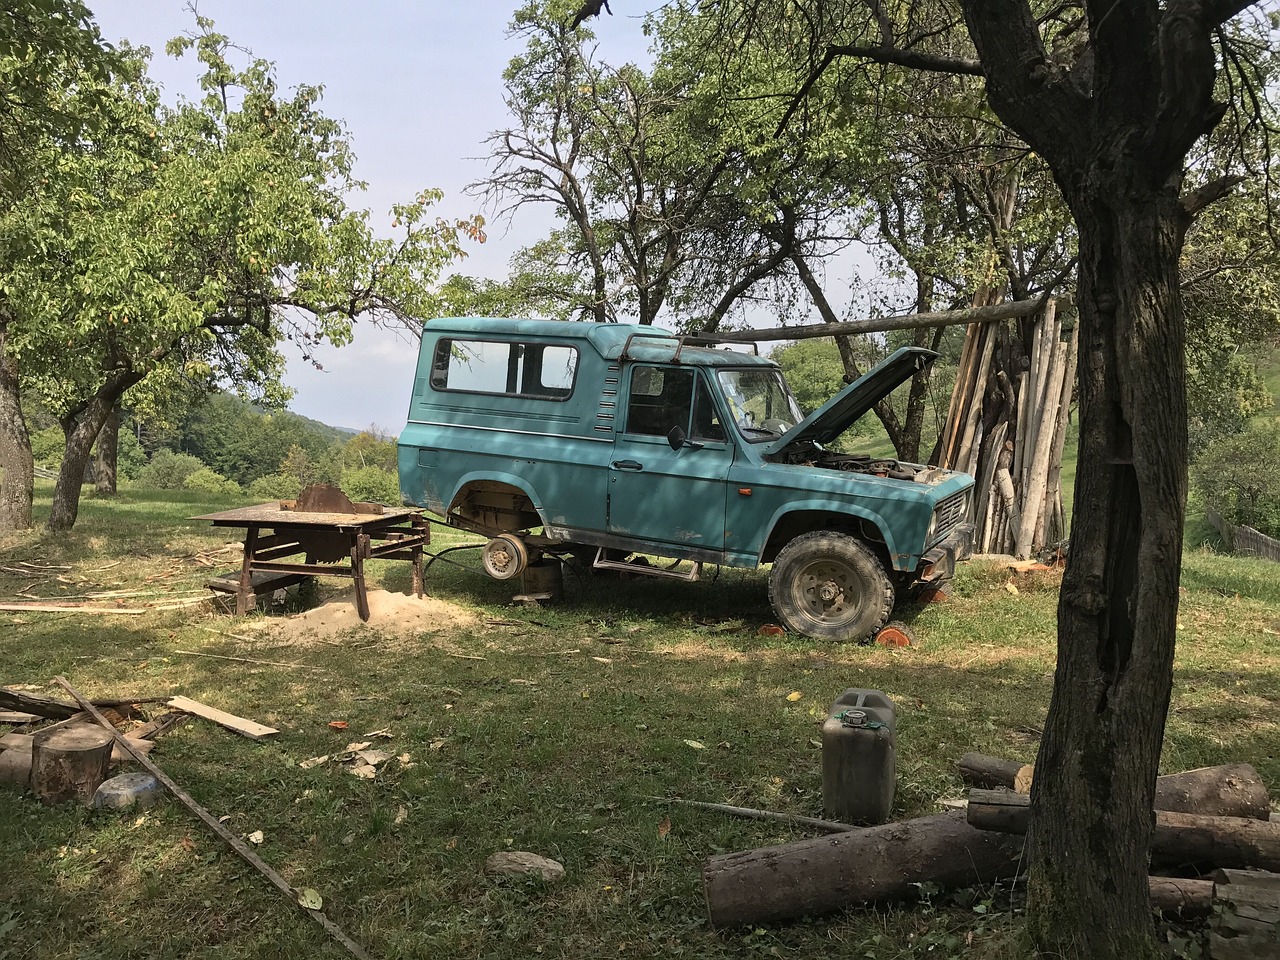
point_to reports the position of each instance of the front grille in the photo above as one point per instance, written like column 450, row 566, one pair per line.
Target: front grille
column 950, row 513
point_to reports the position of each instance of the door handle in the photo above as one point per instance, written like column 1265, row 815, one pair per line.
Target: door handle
column 627, row 465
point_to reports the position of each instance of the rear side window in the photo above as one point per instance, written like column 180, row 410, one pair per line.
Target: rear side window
column 539, row 370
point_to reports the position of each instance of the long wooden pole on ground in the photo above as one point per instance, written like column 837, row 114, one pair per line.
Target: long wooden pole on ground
column 234, row 842
column 909, row 321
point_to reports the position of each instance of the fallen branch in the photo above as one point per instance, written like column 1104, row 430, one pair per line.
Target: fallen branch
column 212, row 823
column 261, row 663
column 233, row 636
column 829, row 826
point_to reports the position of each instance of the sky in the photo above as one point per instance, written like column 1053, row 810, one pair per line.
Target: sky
column 419, row 85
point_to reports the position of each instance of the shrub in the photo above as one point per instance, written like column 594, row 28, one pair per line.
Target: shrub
column 167, row 470
column 373, row 484
column 207, row 480
column 1240, row 477
column 274, row 486
column 47, row 447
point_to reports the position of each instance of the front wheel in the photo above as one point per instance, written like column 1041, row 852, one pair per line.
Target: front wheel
column 830, row 586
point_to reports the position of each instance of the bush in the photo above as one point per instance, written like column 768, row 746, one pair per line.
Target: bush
column 1240, row 478
column 275, row 486
column 207, row 480
column 373, row 484
column 167, row 470
column 47, row 447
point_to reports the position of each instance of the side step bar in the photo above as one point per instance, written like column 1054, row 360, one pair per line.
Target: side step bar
column 601, row 562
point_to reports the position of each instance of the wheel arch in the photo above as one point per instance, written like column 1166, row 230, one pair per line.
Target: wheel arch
column 478, row 498
column 801, row 518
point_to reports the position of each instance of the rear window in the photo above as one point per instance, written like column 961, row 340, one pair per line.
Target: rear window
column 541, row 370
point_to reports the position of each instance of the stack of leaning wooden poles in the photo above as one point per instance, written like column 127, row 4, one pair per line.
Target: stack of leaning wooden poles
column 1007, row 426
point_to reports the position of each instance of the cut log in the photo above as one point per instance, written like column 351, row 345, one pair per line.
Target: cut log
column 830, row 873
column 1229, row 842
column 1181, row 897
column 1246, row 922
column 69, row 763
column 15, row 759
column 120, row 756
column 1179, row 838
column 1229, row 790
column 980, row 770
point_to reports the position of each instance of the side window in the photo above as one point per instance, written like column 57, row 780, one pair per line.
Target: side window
column 706, row 418
column 660, row 398
column 514, row 369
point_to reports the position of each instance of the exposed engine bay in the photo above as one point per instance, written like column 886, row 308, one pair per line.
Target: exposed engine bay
column 811, row 455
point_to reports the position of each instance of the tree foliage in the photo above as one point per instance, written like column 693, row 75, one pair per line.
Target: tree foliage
column 181, row 244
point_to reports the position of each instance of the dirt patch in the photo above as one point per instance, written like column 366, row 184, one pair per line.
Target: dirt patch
column 390, row 614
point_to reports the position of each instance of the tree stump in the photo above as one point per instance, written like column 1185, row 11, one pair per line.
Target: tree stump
column 1246, row 922
column 69, row 763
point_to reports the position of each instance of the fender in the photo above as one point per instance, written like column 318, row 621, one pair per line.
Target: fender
column 510, row 479
column 844, row 508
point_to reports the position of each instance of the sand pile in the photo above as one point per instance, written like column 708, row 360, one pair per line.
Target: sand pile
column 389, row 613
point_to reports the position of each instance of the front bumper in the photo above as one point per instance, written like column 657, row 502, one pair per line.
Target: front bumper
column 939, row 562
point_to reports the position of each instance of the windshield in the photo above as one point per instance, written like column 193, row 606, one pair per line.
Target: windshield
column 762, row 406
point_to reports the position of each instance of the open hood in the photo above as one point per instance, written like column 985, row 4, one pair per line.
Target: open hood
column 839, row 413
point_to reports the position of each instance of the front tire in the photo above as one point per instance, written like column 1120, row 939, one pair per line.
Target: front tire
column 830, row 586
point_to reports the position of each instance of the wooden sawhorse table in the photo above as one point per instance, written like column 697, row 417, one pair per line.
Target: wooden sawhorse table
column 324, row 539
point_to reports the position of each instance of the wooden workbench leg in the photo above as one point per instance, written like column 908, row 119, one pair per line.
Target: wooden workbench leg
column 244, row 593
column 359, row 550
column 420, row 524
column 417, row 571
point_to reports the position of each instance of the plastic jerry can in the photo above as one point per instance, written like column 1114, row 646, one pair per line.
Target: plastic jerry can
column 859, row 757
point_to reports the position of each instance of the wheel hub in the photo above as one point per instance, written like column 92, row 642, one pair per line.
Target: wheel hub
column 829, row 591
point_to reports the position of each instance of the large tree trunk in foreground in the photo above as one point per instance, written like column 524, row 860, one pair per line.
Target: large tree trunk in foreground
column 17, row 468
column 106, row 453
column 1096, row 769
column 1115, row 126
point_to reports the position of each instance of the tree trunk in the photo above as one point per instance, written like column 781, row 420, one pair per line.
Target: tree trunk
column 1091, row 819
column 105, row 454
column 81, row 429
column 17, row 468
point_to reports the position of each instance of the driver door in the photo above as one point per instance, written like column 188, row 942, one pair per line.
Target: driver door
column 665, row 495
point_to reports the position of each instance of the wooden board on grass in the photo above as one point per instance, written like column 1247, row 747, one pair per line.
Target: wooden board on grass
column 246, row 728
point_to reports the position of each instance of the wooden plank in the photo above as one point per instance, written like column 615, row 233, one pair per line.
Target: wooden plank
column 69, row 608
column 246, row 728
column 212, row 823
column 16, row 716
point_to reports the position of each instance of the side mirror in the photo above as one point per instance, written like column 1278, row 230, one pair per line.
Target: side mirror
column 678, row 439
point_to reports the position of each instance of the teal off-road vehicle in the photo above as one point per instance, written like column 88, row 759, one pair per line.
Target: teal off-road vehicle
column 609, row 441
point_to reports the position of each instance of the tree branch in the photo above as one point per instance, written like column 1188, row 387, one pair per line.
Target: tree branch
column 883, row 54
column 1197, row 200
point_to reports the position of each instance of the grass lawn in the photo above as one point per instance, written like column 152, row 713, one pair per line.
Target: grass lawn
column 544, row 731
